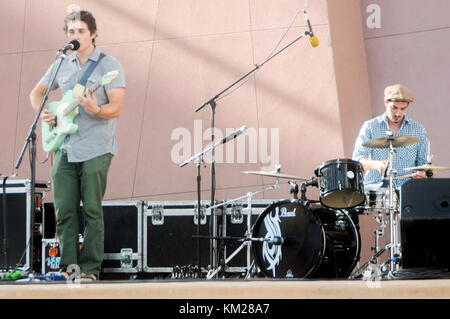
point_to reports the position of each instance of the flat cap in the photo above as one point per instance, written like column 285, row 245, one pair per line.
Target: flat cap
column 398, row 93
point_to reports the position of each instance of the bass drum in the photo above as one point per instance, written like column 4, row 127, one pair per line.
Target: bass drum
column 317, row 242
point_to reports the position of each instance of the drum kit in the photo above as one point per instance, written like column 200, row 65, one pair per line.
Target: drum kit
column 302, row 238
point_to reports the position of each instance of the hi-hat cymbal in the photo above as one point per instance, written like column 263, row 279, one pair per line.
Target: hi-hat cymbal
column 428, row 168
column 385, row 142
column 272, row 174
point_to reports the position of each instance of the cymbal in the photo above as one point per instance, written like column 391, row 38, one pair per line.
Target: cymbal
column 403, row 176
column 384, row 142
column 428, row 168
column 272, row 174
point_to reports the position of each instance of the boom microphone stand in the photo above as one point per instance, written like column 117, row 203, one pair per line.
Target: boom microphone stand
column 247, row 237
column 213, row 104
column 198, row 159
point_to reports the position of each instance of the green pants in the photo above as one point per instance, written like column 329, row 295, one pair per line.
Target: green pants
column 72, row 183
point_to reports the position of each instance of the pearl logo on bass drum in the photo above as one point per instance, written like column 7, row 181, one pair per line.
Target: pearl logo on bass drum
column 286, row 213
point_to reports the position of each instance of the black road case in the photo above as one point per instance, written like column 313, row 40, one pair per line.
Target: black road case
column 123, row 237
column 169, row 230
column 15, row 221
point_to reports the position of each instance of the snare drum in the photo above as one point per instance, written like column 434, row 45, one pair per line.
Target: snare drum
column 378, row 200
column 341, row 183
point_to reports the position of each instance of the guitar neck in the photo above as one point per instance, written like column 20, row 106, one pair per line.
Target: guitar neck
column 69, row 108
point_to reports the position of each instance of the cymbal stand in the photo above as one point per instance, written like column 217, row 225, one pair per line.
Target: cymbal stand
column 393, row 245
column 246, row 242
column 394, row 251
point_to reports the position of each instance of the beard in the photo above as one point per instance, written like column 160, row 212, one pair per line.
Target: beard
column 396, row 119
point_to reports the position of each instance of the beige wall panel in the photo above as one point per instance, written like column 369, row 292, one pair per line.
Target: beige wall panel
column 404, row 16
column 44, row 23
column 9, row 64
column 201, row 17
column 12, row 25
column 269, row 14
column 124, row 21
column 117, row 21
column 350, row 69
column 184, row 74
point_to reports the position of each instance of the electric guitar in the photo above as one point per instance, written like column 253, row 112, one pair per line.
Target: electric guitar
column 65, row 112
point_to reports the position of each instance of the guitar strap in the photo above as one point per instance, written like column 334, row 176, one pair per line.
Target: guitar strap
column 90, row 69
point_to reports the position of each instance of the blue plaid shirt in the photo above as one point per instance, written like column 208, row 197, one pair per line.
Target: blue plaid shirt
column 405, row 156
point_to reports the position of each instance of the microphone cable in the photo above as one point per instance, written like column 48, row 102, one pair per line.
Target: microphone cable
column 268, row 57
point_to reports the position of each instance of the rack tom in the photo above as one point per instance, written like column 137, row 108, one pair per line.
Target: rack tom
column 340, row 183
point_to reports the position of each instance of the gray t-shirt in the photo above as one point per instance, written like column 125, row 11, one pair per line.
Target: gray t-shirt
column 95, row 135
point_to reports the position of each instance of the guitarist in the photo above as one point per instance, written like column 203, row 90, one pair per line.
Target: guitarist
column 82, row 162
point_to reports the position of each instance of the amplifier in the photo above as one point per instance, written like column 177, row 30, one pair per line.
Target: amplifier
column 424, row 223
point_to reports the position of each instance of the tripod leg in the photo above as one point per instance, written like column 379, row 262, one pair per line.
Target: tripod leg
column 249, row 274
column 212, row 274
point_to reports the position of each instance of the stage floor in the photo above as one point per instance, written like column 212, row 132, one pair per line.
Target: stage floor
column 230, row 289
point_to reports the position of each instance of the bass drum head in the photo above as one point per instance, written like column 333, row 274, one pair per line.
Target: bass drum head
column 303, row 243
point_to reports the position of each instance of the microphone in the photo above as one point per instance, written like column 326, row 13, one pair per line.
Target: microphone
column 313, row 40
column 233, row 135
column 73, row 45
column 274, row 240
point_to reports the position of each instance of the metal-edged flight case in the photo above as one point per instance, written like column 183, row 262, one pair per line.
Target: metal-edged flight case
column 170, row 236
column 123, row 236
column 15, row 221
column 122, row 239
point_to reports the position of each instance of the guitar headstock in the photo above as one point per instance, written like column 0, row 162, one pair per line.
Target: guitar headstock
column 109, row 77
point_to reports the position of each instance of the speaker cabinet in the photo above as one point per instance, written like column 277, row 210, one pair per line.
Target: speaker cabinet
column 425, row 223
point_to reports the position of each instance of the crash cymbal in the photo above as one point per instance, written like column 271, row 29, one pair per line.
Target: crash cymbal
column 428, row 168
column 274, row 174
column 397, row 141
column 403, row 176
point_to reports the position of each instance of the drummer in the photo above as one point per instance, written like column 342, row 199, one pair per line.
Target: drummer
column 393, row 122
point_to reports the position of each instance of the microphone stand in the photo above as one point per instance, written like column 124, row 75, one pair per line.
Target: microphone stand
column 198, row 159
column 247, row 239
column 213, row 104
column 31, row 138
